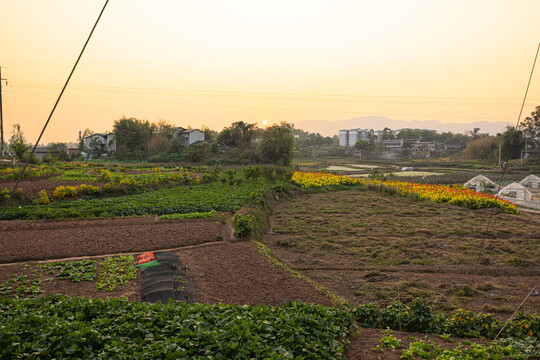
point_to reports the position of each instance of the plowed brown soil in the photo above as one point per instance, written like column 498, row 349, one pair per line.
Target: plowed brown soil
column 41, row 240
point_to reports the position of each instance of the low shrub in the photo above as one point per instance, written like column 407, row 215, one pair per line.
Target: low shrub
column 418, row 317
column 243, row 225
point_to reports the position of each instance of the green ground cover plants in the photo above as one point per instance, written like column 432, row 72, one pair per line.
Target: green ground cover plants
column 21, row 286
column 193, row 215
column 58, row 326
column 503, row 349
column 75, row 271
column 182, row 199
column 116, row 271
column 418, row 317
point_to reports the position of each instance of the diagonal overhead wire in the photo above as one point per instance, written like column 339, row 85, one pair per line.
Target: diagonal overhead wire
column 52, row 112
column 526, row 91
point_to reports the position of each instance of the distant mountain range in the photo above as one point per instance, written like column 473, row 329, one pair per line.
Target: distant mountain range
column 331, row 128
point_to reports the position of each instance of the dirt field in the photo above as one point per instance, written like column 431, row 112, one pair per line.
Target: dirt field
column 39, row 240
column 222, row 271
column 368, row 247
column 361, row 245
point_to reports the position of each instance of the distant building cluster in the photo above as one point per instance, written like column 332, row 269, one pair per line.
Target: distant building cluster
column 417, row 147
column 107, row 141
column 352, row 136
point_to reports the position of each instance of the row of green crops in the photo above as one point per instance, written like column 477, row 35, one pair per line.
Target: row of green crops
column 116, row 271
column 64, row 327
column 30, row 173
column 185, row 199
column 507, row 348
column 75, row 271
column 502, row 349
column 193, row 215
column 418, row 318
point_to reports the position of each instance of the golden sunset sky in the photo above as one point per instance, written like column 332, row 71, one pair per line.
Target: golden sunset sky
column 212, row 62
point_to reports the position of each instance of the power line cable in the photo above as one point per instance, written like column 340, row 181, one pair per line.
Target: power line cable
column 293, row 99
column 52, row 112
column 268, row 93
column 481, row 247
column 528, row 84
column 277, row 109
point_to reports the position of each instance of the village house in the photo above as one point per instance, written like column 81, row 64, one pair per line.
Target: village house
column 188, row 137
column 423, row 148
column 107, row 142
column 393, row 144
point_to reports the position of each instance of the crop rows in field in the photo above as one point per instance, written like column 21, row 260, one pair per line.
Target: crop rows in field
column 182, row 199
column 80, row 328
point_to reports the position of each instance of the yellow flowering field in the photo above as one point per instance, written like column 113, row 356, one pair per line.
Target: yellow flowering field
column 438, row 193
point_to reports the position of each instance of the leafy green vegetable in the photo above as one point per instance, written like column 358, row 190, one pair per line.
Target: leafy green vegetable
column 504, row 349
column 181, row 199
column 116, row 271
column 193, row 215
column 418, row 317
column 59, row 326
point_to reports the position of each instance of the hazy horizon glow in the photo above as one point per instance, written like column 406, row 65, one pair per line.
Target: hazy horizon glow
column 214, row 62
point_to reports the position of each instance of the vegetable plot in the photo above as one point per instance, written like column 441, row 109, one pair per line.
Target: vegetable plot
column 182, row 199
column 60, row 326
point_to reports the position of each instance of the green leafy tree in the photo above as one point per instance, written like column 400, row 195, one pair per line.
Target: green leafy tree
column 277, row 144
column 362, row 145
column 476, row 134
column 512, row 143
column 305, row 138
column 198, row 153
column 482, row 148
column 531, row 127
column 238, row 135
column 214, row 148
column 59, row 150
column 208, row 133
column 17, row 143
column 132, row 137
column 161, row 139
column 369, row 148
column 387, row 134
column 83, row 134
column 95, row 149
column 163, row 128
column 425, row 135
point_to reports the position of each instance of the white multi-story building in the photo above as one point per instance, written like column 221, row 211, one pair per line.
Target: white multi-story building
column 396, row 144
column 351, row 137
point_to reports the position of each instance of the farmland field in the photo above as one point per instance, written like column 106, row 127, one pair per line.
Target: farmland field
column 356, row 246
column 368, row 247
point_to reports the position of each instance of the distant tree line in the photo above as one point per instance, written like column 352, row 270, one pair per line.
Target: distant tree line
column 513, row 143
column 141, row 140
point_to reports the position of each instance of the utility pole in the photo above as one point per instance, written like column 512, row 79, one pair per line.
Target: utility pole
column 1, row 117
column 500, row 145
